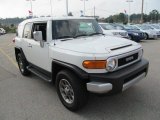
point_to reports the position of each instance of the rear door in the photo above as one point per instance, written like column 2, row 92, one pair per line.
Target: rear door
column 26, row 38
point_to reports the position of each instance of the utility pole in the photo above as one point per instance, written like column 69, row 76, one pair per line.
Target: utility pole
column 84, row 8
column 142, row 11
column 51, row 8
column 84, row 5
column 31, row 5
column 94, row 11
column 67, row 7
column 129, row 1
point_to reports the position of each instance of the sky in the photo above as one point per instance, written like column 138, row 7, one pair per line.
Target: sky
column 103, row 8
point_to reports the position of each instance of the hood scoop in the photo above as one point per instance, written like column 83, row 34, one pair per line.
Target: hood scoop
column 116, row 48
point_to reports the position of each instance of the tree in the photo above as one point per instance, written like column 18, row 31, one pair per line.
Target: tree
column 122, row 18
column 12, row 25
column 111, row 20
column 154, row 16
column 70, row 14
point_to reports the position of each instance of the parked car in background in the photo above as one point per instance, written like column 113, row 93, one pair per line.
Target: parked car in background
column 2, row 31
column 111, row 30
column 149, row 33
column 155, row 27
column 134, row 34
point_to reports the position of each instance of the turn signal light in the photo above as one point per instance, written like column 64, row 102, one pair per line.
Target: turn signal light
column 94, row 64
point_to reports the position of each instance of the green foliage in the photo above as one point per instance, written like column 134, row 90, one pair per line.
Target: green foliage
column 153, row 17
column 9, row 21
column 10, row 24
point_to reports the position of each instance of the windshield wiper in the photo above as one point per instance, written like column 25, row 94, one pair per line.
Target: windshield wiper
column 80, row 35
column 96, row 34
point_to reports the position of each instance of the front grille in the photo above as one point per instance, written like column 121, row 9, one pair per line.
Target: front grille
column 127, row 59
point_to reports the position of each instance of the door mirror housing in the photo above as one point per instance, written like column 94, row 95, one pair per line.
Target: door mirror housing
column 37, row 35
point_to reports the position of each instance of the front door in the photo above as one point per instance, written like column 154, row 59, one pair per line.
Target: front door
column 39, row 56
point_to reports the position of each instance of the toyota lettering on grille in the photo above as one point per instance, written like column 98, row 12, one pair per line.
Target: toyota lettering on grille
column 129, row 59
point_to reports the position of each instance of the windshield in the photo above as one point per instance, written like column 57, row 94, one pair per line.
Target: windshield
column 118, row 27
column 155, row 26
column 129, row 27
column 144, row 27
column 107, row 26
column 73, row 28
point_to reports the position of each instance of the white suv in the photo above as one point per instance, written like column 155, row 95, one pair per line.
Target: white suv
column 75, row 54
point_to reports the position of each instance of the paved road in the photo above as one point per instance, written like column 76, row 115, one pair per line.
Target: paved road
column 31, row 98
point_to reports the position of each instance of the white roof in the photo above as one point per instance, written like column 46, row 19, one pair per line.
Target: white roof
column 41, row 19
column 102, row 23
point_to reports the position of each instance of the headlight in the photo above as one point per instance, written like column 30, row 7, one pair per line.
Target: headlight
column 115, row 33
column 135, row 34
column 141, row 54
column 111, row 64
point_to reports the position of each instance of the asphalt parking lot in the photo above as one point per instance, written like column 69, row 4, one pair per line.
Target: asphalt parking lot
column 31, row 98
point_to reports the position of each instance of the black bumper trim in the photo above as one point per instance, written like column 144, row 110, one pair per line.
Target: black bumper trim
column 118, row 78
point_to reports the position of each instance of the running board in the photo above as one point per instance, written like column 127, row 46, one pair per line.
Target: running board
column 40, row 74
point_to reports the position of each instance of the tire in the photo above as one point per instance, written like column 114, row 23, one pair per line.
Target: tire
column 22, row 64
column 71, row 90
column 145, row 36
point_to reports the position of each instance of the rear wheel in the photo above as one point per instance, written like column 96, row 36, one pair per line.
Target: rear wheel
column 71, row 90
column 22, row 63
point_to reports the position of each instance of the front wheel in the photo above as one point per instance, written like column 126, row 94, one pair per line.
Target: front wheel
column 22, row 64
column 71, row 90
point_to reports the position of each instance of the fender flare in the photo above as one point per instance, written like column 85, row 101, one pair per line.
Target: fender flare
column 81, row 73
column 17, row 49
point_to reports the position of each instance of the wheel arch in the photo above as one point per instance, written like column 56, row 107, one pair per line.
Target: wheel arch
column 59, row 65
column 19, row 50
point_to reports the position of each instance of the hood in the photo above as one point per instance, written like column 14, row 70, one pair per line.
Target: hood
column 115, row 32
column 153, row 32
column 93, row 45
column 134, row 31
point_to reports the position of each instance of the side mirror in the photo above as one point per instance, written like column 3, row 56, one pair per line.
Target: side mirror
column 37, row 35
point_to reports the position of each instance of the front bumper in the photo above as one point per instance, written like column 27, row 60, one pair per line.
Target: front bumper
column 153, row 36
column 118, row 81
column 137, row 38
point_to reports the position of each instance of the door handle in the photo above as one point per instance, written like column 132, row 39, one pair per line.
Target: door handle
column 30, row 45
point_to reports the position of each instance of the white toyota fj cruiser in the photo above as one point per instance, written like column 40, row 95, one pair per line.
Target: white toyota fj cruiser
column 75, row 54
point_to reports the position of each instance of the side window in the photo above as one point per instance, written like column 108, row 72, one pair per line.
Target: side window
column 40, row 27
column 27, row 31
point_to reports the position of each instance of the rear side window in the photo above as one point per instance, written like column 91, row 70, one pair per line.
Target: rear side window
column 27, row 31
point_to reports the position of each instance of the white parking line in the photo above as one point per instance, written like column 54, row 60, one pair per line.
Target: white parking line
column 8, row 57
